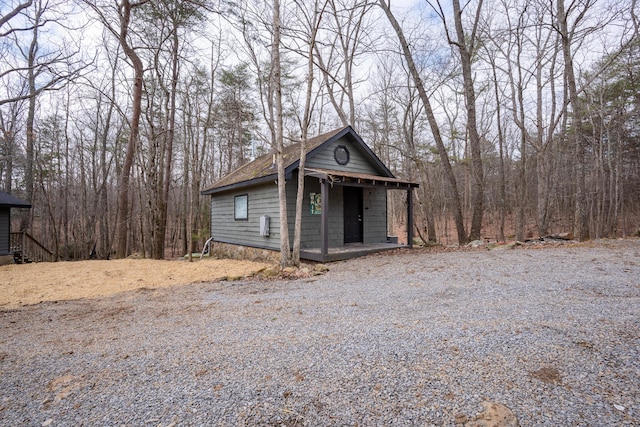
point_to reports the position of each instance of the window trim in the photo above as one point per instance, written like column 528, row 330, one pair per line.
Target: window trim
column 238, row 199
column 345, row 150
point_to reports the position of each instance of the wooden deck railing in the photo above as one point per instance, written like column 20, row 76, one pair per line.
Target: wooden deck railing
column 27, row 249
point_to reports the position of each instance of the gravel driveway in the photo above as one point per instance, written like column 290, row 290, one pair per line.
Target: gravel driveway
column 412, row 338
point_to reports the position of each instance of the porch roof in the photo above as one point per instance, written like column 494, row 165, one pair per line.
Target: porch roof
column 360, row 179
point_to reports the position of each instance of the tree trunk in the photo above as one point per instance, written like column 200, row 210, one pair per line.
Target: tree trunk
column 25, row 223
column 8, row 137
column 502, row 192
column 306, row 121
column 576, row 134
column 433, row 124
column 124, row 219
column 158, row 245
column 477, row 174
column 285, row 251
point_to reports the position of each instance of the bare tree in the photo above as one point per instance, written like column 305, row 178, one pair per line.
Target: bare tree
column 347, row 31
column 433, row 124
column 12, row 14
column 466, row 45
column 105, row 120
column 313, row 21
column 52, row 67
column 165, row 23
column 276, row 96
column 30, row 67
column 9, row 127
column 121, row 30
column 198, row 105
column 567, row 22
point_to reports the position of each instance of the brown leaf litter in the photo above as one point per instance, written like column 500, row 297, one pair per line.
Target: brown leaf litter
column 27, row 284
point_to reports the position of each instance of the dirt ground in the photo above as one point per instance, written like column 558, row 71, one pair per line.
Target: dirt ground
column 28, row 284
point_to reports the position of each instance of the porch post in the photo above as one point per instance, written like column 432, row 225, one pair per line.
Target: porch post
column 324, row 218
column 410, row 217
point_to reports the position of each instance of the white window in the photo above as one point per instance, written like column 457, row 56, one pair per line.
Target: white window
column 241, row 207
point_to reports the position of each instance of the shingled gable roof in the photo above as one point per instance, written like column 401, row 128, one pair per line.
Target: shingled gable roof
column 7, row 200
column 262, row 169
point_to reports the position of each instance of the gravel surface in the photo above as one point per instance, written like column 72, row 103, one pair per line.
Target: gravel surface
column 410, row 338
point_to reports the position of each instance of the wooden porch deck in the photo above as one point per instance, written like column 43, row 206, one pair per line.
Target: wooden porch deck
column 348, row 251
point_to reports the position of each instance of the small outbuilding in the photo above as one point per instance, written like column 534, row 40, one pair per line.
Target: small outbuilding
column 345, row 199
column 7, row 201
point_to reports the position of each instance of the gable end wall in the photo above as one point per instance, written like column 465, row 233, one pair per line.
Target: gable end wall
column 358, row 163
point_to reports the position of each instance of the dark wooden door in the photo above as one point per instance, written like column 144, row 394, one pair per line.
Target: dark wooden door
column 352, row 214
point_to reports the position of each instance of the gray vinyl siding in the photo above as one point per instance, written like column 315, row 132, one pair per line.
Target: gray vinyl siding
column 262, row 200
column 358, row 163
column 292, row 189
column 374, row 215
column 310, row 233
column 4, row 231
column 336, row 217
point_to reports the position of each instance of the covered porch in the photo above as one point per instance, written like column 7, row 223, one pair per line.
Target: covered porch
column 351, row 249
column 348, row 251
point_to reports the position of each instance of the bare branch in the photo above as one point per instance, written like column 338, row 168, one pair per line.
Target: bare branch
column 20, row 7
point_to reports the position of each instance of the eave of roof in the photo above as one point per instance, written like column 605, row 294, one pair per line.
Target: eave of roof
column 7, row 200
column 354, row 178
